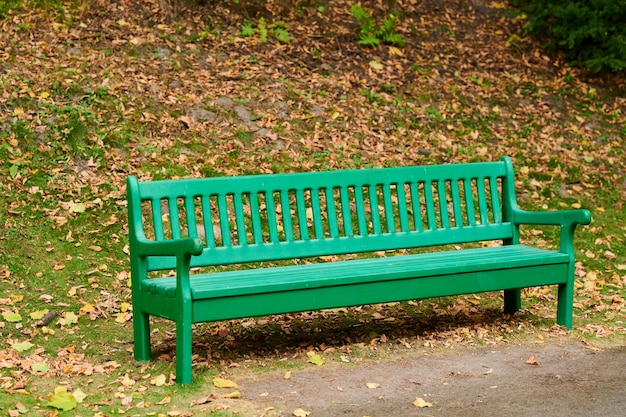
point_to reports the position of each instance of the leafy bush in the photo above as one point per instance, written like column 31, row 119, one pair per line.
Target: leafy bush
column 371, row 34
column 591, row 32
column 278, row 30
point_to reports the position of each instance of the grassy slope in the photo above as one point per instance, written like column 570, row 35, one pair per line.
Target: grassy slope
column 94, row 92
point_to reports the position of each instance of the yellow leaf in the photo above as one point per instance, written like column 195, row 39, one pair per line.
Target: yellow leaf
column 44, row 94
column 158, row 380
column 121, row 318
column 79, row 395
column 88, row 308
column 315, row 359
column 372, row 385
column 224, row 383
column 124, row 307
column 234, row 394
column 376, row 65
column 301, row 413
column 395, row 51
column 12, row 317
column 62, row 399
column 16, row 298
column 287, row 375
column 419, row 402
column 37, row 315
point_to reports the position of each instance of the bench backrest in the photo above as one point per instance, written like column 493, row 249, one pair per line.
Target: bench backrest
column 280, row 216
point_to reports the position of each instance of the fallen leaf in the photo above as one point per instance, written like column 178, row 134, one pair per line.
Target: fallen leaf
column 22, row 347
column 234, row 394
column 158, row 380
column 301, row 413
column 68, row 319
column 372, row 385
column 376, row 65
column 532, row 361
column 128, row 381
column 79, row 395
column 165, row 401
column 287, row 375
column 203, row 400
column 419, row 402
column 40, row 367
column 12, row 317
column 37, row 315
column 16, row 298
column 62, row 400
column 224, row 383
column 77, row 208
column 315, row 358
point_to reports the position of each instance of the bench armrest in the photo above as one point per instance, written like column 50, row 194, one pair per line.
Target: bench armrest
column 557, row 218
column 176, row 247
column 566, row 219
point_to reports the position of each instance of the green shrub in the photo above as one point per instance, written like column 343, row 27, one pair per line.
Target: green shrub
column 372, row 34
column 592, row 33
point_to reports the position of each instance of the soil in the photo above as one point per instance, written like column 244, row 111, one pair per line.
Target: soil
column 522, row 380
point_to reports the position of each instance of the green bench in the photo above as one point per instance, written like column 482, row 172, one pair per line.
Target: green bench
column 198, row 227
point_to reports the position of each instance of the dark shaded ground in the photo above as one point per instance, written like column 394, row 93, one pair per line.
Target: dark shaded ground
column 526, row 380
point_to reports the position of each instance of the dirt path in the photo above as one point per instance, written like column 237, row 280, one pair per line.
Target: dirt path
column 526, row 380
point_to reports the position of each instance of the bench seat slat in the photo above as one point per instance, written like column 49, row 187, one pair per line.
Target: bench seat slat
column 290, row 278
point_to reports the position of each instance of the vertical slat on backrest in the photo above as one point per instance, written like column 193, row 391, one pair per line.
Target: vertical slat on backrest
column 495, row 200
column 286, row 211
column 360, row 210
column 301, row 213
column 469, row 201
column 456, row 203
column 190, row 211
column 417, row 209
column 157, row 218
column 222, row 207
column 373, row 197
column 345, row 211
column 482, row 201
column 430, row 205
column 402, row 208
column 388, row 204
column 443, row 203
column 317, row 213
column 207, row 218
column 255, row 214
column 331, row 211
column 240, row 220
column 271, row 216
column 174, row 220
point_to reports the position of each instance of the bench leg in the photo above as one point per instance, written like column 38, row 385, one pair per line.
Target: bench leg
column 141, row 330
column 565, row 309
column 512, row 300
column 183, row 352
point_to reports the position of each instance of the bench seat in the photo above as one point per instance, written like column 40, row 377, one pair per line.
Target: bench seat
column 482, row 269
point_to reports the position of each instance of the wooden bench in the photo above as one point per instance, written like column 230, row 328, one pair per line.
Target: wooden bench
column 185, row 224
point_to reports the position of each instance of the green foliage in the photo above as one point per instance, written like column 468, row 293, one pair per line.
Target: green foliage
column 372, row 34
column 592, row 33
column 7, row 7
column 277, row 30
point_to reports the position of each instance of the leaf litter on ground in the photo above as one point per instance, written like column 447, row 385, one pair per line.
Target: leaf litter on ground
column 126, row 80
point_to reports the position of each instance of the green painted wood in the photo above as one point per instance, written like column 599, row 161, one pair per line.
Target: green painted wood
column 266, row 218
